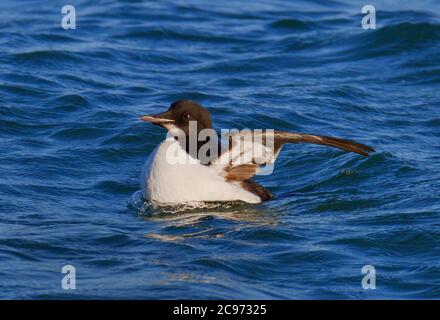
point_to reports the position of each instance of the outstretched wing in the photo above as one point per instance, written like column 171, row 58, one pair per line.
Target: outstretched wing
column 347, row 145
column 248, row 150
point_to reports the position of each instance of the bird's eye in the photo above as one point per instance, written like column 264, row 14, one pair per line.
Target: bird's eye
column 187, row 116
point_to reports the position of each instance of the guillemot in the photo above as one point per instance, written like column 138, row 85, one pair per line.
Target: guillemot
column 175, row 172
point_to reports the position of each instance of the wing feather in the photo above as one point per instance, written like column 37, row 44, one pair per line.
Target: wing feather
column 240, row 162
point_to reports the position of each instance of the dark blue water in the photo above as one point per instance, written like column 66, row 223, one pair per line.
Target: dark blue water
column 72, row 148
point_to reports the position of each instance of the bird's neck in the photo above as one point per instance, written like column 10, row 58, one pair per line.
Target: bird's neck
column 209, row 153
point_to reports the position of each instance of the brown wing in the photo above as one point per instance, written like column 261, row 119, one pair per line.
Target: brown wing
column 282, row 137
column 274, row 140
column 240, row 172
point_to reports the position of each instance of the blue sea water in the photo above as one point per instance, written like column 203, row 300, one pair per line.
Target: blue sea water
column 72, row 148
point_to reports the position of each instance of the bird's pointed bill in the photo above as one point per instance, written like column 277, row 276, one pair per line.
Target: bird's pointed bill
column 157, row 118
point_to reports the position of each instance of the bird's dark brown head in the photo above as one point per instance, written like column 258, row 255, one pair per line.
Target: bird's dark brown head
column 180, row 114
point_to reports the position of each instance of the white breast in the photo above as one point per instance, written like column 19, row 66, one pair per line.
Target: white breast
column 169, row 177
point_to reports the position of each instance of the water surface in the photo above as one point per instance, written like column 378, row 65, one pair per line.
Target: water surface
column 72, row 148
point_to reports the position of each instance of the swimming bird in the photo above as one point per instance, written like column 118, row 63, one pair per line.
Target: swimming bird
column 177, row 171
